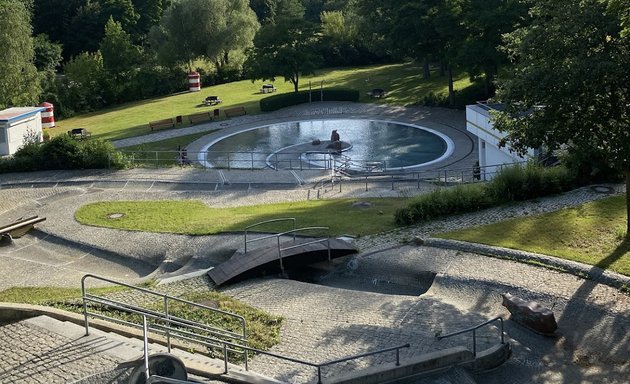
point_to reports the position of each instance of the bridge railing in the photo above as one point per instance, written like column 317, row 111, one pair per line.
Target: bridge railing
column 247, row 229
column 301, row 244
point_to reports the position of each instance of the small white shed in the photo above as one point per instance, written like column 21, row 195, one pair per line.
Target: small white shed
column 16, row 123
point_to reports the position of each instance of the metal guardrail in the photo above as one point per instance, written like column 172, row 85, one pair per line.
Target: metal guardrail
column 319, row 366
column 168, row 320
column 164, row 322
column 292, row 219
column 474, row 332
column 292, row 232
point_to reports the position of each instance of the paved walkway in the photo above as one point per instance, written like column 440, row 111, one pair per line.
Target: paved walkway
column 370, row 302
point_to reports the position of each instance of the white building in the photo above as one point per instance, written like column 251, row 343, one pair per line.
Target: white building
column 491, row 156
column 17, row 123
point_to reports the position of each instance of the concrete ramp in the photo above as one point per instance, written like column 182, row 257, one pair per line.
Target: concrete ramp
column 267, row 259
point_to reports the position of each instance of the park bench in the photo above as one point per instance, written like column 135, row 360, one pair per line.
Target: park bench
column 236, row 111
column 267, row 88
column 18, row 228
column 212, row 100
column 378, row 93
column 198, row 117
column 161, row 124
column 79, row 133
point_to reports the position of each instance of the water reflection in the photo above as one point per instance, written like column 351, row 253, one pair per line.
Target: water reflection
column 396, row 144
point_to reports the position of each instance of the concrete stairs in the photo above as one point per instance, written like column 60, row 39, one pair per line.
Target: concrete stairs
column 127, row 349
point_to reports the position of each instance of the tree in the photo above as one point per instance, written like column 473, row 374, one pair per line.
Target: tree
column 287, row 47
column 120, row 55
column 484, row 22
column 19, row 80
column 47, row 54
column 205, row 28
column 569, row 84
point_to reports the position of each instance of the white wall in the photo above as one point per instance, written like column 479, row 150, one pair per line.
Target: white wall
column 491, row 156
column 4, row 144
column 16, row 130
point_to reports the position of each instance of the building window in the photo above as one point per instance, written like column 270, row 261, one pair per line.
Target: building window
column 3, row 135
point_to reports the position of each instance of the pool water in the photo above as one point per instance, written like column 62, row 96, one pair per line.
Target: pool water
column 396, row 144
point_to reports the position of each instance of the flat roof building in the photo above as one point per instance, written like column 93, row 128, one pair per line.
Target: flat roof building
column 16, row 124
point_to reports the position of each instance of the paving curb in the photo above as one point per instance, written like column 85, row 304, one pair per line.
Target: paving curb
column 584, row 271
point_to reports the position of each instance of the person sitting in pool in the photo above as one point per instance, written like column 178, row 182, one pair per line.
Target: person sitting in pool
column 334, row 136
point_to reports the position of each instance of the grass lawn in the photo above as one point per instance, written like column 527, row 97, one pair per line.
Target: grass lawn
column 263, row 329
column 591, row 233
column 403, row 81
column 164, row 151
column 195, row 218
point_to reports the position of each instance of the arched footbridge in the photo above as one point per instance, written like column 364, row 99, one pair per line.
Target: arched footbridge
column 279, row 252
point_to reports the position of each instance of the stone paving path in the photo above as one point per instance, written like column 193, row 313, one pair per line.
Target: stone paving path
column 323, row 321
column 29, row 354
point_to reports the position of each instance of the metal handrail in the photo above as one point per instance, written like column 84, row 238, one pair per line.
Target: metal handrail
column 266, row 222
column 280, row 249
column 161, row 316
column 474, row 331
column 211, row 342
column 320, row 365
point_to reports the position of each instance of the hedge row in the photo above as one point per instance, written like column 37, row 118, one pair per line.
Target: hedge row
column 512, row 184
column 63, row 152
column 275, row 102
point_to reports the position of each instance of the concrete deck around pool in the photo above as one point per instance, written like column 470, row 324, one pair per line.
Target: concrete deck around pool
column 449, row 122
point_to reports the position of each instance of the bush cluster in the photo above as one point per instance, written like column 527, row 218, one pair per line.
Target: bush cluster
column 511, row 184
column 63, row 152
column 275, row 102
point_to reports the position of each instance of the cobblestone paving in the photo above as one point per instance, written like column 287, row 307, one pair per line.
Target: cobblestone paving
column 323, row 322
column 35, row 355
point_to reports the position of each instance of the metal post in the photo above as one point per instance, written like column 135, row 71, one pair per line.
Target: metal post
column 146, row 347
column 418, row 181
column 228, row 161
column 329, row 257
column 252, row 161
column 157, row 160
column 276, row 155
column 397, row 356
column 280, row 254
column 475, row 343
column 85, row 314
column 309, row 93
column 319, row 375
column 245, row 241
column 168, row 317
column 225, row 359
column 366, row 186
column 321, row 91
column 445, row 178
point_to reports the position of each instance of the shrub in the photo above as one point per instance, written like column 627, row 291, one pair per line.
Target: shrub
column 275, row 102
column 519, row 183
column 64, row 152
column 443, row 202
column 511, row 184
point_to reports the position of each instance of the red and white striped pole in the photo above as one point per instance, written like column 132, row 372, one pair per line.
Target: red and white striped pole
column 48, row 116
column 194, row 82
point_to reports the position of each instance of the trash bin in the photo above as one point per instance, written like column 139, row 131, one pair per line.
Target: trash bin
column 216, row 112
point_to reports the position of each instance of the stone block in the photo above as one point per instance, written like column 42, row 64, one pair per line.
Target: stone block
column 531, row 314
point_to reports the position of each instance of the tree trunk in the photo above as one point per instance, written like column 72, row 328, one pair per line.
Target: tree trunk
column 627, row 204
column 426, row 72
column 451, row 92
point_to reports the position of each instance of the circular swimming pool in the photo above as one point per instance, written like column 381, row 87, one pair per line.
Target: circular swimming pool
column 396, row 145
